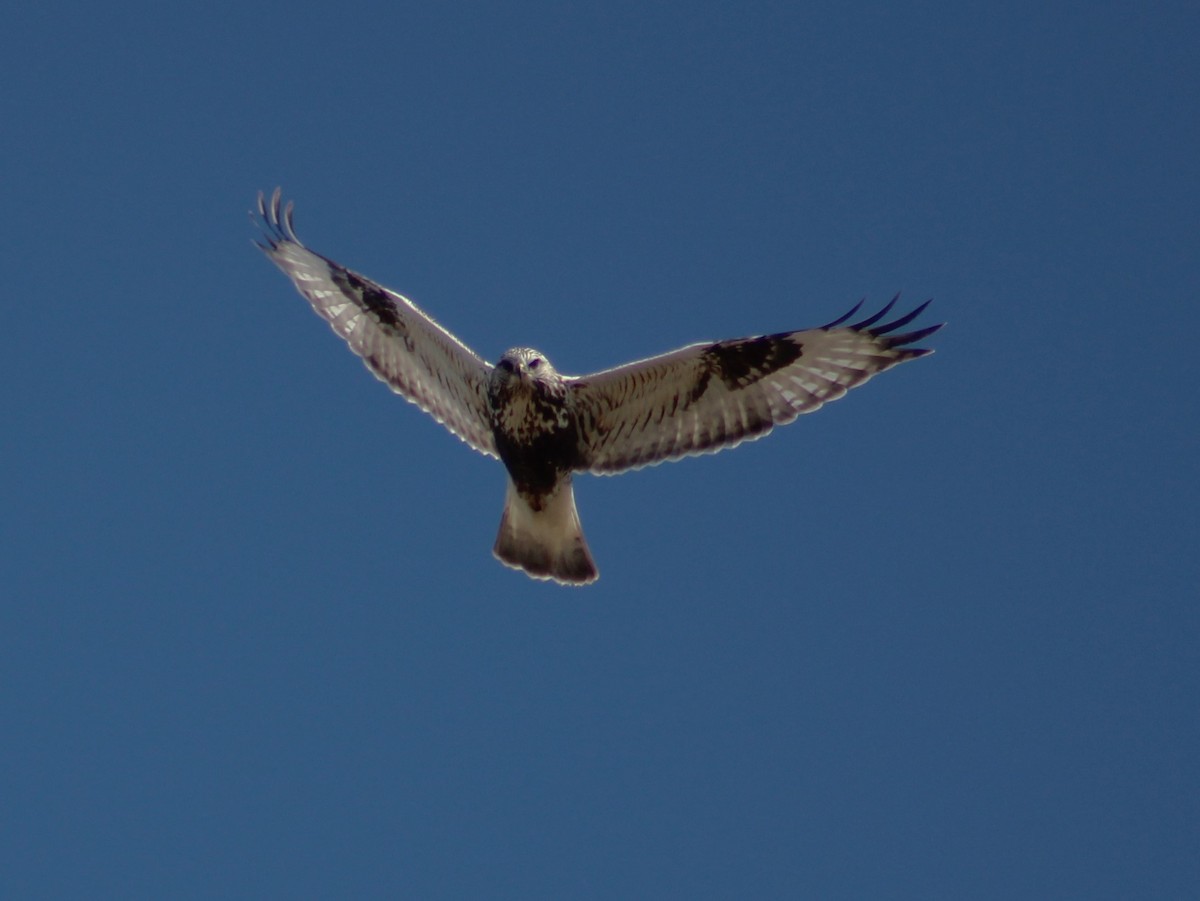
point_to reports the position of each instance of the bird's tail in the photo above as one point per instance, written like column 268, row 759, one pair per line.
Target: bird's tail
column 547, row 543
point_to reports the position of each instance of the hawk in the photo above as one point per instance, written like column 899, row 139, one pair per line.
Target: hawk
column 544, row 426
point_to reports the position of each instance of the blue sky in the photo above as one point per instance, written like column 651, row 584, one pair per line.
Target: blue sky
column 937, row 641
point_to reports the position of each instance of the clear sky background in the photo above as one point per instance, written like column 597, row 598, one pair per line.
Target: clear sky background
column 939, row 640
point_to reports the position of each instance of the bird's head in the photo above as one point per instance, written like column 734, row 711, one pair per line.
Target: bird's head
column 525, row 366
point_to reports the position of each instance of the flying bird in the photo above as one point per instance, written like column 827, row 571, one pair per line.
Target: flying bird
column 545, row 426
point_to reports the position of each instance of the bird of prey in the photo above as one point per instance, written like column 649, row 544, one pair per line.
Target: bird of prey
column 545, row 426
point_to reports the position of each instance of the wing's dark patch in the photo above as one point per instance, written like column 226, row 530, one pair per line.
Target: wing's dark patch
column 744, row 361
column 371, row 299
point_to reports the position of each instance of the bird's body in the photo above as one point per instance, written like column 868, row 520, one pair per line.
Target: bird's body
column 545, row 426
column 536, row 429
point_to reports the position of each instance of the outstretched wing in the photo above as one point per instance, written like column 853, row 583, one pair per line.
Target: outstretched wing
column 401, row 345
column 706, row 397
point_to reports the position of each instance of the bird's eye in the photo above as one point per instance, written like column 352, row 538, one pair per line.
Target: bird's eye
column 535, row 363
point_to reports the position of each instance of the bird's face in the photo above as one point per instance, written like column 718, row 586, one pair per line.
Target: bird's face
column 525, row 367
